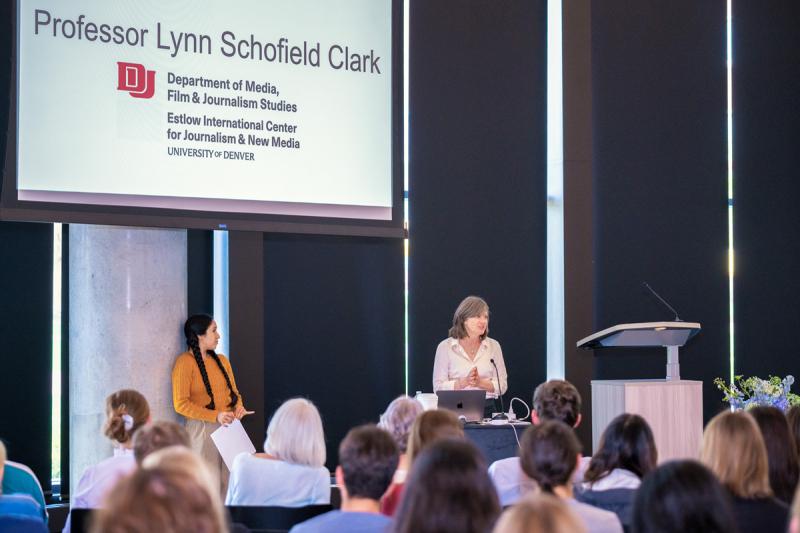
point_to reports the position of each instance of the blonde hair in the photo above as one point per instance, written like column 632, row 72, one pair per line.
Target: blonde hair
column 295, row 434
column 398, row 419
column 125, row 402
column 469, row 307
column 432, row 426
column 542, row 513
column 734, row 450
column 173, row 492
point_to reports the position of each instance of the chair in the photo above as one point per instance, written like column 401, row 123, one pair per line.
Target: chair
column 273, row 519
column 21, row 524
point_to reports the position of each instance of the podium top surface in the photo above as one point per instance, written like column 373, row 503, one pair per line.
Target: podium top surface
column 642, row 334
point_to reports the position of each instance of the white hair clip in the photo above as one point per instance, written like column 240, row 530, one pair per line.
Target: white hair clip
column 128, row 421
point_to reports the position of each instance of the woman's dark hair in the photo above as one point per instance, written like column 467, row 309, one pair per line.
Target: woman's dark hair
column 448, row 490
column 781, row 451
column 198, row 325
column 626, row 443
column 681, row 496
column 548, row 454
column 793, row 417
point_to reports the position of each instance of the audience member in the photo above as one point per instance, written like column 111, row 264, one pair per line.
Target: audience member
column 291, row 471
column 19, row 479
column 173, row 492
column 432, row 426
column 368, row 458
column 781, row 451
column 448, row 491
column 397, row 420
column 626, row 453
column 733, row 448
column 555, row 399
column 540, row 513
column 157, row 435
column 19, row 512
column 793, row 418
column 794, row 524
column 681, row 497
column 549, row 455
column 126, row 411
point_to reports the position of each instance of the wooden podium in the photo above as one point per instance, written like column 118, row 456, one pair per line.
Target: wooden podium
column 673, row 407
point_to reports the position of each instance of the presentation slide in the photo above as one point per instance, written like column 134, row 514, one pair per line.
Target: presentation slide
column 252, row 106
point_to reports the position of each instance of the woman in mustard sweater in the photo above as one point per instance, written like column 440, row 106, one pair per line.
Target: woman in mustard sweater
column 204, row 391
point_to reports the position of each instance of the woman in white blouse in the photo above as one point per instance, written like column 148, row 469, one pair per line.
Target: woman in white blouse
column 291, row 471
column 467, row 358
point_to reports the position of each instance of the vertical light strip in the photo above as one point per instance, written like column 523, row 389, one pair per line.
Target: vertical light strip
column 729, row 48
column 555, row 194
column 406, row 10
column 55, row 420
column 220, row 290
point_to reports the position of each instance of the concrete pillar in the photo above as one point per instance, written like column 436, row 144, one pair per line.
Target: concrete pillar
column 127, row 304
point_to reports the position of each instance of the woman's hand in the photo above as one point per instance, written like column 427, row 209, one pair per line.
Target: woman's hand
column 486, row 384
column 471, row 380
column 240, row 412
column 225, row 417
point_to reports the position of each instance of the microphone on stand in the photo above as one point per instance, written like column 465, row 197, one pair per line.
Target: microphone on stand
column 502, row 415
column 662, row 300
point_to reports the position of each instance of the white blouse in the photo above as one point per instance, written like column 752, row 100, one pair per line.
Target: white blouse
column 271, row 482
column 452, row 363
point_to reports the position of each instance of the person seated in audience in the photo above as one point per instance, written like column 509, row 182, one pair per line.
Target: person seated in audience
column 156, row 436
column 794, row 523
column 18, row 512
column 549, row 454
column 291, row 471
column 734, row 450
column 681, row 497
column 368, row 458
column 626, row 453
column 793, row 418
column 430, row 427
column 448, row 491
column 397, row 420
column 173, row 492
column 19, row 479
column 781, row 451
column 555, row 399
column 126, row 411
column 539, row 513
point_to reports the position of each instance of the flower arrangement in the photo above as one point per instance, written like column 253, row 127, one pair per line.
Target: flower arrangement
column 744, row 394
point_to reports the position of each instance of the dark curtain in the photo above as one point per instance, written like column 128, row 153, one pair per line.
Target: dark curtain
column 659, row 163
column 333, row 327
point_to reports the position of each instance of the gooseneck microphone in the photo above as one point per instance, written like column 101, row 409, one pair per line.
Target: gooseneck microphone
column 502, row 415
column 663, row 301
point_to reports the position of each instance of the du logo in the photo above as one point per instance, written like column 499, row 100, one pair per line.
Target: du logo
column 134, row 79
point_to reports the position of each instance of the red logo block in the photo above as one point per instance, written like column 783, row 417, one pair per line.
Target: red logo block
column 133, row 78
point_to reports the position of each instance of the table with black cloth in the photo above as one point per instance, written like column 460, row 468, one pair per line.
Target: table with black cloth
column 496, row 442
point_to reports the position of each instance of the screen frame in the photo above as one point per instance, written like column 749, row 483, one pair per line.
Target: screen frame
column 14, row 209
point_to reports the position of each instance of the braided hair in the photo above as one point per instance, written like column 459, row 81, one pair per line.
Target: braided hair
column 198, row 325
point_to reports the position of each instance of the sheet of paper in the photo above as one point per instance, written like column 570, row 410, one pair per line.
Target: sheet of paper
column 231, row 441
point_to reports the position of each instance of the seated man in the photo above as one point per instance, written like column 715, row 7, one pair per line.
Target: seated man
column 549, row 455
column 368, row 457
column 552, row 400
column 18, row 512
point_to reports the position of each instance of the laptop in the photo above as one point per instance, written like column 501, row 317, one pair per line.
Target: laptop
column 464, row 403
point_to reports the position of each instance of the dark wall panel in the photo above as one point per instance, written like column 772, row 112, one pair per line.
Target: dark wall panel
column 200, row 277
column 333, row 327
column 659, row 97
column 766, row 85
column 26, row 327
column 477, row 192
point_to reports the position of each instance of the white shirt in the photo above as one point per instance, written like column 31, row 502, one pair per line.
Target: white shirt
column 510, row 482
column 452, row 363
column 619, row 478
column 99, row 479
column 271, row 482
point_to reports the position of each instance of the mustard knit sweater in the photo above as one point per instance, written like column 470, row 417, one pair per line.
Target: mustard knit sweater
column 189, row 393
